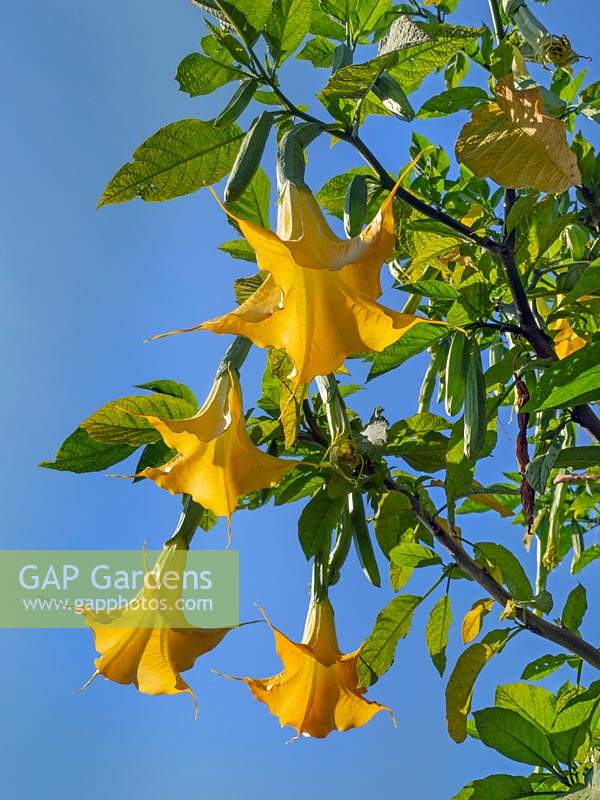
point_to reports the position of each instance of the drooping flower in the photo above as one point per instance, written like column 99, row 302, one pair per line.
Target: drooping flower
column 150, row 642
column 216, row 463
column 318, row 690
column 319, row 299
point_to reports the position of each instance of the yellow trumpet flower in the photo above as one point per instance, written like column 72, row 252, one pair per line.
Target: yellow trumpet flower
column 216, row 463
column 318, row 690
column 318, row 302
column 149, row 643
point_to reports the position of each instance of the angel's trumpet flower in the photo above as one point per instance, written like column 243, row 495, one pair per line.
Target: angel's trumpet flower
column 318, row 690
column 216, row 463
column 319, row 299
column 150, row 642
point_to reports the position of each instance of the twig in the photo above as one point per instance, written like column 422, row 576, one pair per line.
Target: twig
column 541, row 627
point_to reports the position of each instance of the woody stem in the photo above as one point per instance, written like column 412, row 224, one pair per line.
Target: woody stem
column 528, row 619
column 541, row 627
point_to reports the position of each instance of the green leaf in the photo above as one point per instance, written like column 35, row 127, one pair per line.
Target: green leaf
column 321, row 24
column 392, row 624
column 240, row 249
column 500, row 787
column 248, row 16
column 319, row 51
column 424, row 422
column 414, row 341
column 538, row 227
column 431, row 288
column 123, row 421
column 296, row 487
column 514, row 736
column 578, row 457
column 589, row 554
column 573, row 724
column 436, row 632
column 286, row 27
column 574, row 380
column 178, row 159
column 535, row 704
column 409, row 554
column 513, row 574
column 415, row 62
column 425, row 453
column 317, row 520
column 575, row 607
column 367, row 13
column 243, row 288
column 393, row 519
column 253, row 203
column 198, row 75
column 388, row 91
column 460, row 687
column 80, row 453
column 539, row 468
column 153, row 455
column 452, row 100
column 171, row 388
column 355, row 80
column 543, row 666
column 588, row 281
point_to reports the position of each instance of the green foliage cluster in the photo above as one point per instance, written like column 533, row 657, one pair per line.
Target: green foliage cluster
column 513, row 271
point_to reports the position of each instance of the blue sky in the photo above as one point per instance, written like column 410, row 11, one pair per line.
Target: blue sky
column 84, row 84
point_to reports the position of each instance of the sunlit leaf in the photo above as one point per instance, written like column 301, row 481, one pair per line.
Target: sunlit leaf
column 515, row 144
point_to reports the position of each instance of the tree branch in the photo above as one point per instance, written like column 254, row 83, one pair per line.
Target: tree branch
column 540, row 342
column 547, row 630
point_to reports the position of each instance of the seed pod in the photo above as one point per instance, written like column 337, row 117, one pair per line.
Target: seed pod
column 238, row 103
column 249, row 156
column 522, row 453
column 343, row 539
column 475, row 411
column 290, row 152
column 393, row 97
column 438, row 357
column 456, row 373
column 356, row 205
column 362, row 539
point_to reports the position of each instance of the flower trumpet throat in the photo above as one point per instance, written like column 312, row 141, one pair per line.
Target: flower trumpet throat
column 216, row 463
column 150, row 642
column 319, row 299
column 317, row 692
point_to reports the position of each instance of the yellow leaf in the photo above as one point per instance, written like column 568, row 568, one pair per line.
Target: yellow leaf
column 216, row 463
column 513, row 142
column 566, row 341
column 490, row 501
column 459, row 691
column 318, row 691
column 290, row 396
column 473, row 620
